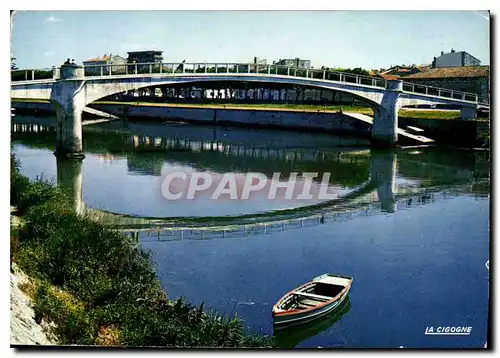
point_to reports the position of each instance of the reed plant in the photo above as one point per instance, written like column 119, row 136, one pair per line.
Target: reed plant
column 98, row 286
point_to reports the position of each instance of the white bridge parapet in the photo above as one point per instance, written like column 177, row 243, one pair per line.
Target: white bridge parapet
column 165, row 69
column 73, row 87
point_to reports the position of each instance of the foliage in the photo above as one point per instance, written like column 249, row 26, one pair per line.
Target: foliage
column 24, row 194
column 263, row 106
column 429, row 114
column 14, row 242
column 356, row 70
column 99, row 287
column 20, row 75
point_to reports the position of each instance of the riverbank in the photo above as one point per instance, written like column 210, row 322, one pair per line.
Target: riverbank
column 442, row 127
column 99, row 287
column 403, row 113
column 24, row 330
column 308, row 108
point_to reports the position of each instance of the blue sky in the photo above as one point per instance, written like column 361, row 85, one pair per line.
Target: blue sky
column 368, row 39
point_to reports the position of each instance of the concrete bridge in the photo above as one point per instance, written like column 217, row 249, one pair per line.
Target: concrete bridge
column 74, row 87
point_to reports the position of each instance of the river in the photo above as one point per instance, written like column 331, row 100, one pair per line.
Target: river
column 411, row 226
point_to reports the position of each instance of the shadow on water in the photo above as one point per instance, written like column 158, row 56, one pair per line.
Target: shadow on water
column 290, row 337
column 359, row 175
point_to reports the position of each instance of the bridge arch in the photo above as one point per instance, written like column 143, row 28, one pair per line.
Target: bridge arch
column 222, row 85
column 72, row 94
column 96, row 89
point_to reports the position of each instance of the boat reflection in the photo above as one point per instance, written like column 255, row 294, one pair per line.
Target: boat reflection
column 291, row 336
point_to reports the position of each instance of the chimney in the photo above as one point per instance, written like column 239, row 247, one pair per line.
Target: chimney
column 452, row 50
column 442, row 53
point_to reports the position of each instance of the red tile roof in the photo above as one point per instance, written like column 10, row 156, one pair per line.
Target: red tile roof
column 99, row 58
column 390, row 77
column 452, row 72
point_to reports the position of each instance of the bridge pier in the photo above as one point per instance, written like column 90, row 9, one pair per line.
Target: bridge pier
column 468, row 113
column 385, row 122
column 68, row 101
column 383, row 175
column 69, row 179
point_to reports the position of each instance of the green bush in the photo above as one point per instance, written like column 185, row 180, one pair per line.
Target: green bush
column 99, row 286
column 18, row 182
column 25, row 194
column 71, row 323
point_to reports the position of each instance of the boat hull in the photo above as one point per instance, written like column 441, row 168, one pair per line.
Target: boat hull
column 308, row 316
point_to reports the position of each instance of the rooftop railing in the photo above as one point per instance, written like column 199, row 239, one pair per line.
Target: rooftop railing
column 163, row 69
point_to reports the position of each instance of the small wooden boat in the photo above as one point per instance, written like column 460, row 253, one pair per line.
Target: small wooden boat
column 311, row 300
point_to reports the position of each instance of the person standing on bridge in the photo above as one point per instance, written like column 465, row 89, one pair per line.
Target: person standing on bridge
column 181, row 66
column 134, row 69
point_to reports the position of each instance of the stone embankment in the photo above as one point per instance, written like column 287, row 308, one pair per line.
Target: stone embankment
column 24, row 330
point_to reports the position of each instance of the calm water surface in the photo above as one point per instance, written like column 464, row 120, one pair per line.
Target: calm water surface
column 417, row 252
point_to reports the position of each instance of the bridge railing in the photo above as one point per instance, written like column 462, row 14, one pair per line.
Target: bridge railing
column 33, row 74
column 439, row 92
column 370, row 207
column 150, row 68
column 220, row 68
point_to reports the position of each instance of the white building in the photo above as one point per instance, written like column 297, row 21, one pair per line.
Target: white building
column 455, row 59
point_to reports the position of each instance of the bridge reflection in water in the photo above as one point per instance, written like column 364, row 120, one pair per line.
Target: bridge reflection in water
column 381, row 180
column 70, row 178
column 373, row 191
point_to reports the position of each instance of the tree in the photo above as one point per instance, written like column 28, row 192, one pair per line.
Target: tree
column 13, row 65
column 356, row 71
column 360, row 71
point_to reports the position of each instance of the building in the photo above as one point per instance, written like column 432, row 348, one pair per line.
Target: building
column 473, row 79
column 151, row 56
column 103, row 63
column 403, row 71
column 259, row 61
column 294, row 62
column 455, row 59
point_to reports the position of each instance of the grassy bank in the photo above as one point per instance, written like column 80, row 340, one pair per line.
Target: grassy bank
column 251, row 106
column 403, row 113
column 30, row 100
column 98, row 286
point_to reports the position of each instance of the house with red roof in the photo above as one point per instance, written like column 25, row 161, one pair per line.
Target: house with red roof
column 105, row 64
column 473, row 79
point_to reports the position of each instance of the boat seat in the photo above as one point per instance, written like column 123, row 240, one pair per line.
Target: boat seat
column 309, row 302
column 312, row 295
column 303, row 307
